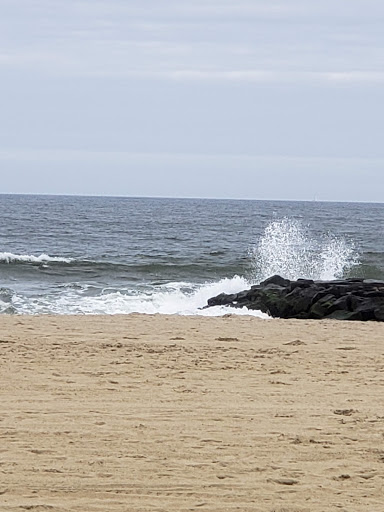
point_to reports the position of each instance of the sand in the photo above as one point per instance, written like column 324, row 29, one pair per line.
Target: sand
column 165, row 413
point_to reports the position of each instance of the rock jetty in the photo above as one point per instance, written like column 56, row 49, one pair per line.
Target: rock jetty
column 344, row 299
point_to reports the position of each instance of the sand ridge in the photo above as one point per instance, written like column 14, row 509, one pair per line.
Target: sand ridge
column 170, row 413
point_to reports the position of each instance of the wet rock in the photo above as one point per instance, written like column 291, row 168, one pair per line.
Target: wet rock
column 349, row 299
column 323, row 307
column 280, row 281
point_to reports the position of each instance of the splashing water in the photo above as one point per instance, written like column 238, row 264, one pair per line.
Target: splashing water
column 173, row 298
column 287, row 249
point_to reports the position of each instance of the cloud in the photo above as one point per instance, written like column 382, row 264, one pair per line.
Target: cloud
column 256, row 41
column 52, row 63
column 191, row 175
column 83, row 156
column 280, row 77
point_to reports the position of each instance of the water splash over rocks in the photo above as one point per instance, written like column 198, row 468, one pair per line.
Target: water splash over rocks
column 288, row 249
column 348, row 299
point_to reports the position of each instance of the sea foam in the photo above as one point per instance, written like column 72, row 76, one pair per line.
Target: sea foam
column 172, row 298
column 8, row 257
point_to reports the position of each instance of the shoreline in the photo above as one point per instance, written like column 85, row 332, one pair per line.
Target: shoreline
column 153, row 412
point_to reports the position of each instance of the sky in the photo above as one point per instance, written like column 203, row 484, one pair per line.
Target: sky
column 253, row 99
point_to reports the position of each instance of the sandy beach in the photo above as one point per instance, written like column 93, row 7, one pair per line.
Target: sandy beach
column 170, row 413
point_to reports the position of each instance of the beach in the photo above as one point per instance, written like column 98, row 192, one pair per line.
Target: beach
column 173, row 413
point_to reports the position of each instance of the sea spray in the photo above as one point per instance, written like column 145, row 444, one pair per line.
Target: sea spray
column 288, row 249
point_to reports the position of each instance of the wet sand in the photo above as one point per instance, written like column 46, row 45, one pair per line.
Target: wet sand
column 160, row 413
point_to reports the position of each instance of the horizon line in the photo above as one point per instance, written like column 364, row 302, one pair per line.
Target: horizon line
column 118, row 196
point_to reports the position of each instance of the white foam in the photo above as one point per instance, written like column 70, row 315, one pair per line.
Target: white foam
column 4, row 306
column 171, row 299
column 8, row 257
column 288, row 249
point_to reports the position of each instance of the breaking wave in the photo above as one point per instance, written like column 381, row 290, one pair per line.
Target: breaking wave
column 288, row 249
column 8, row 257
column 172, row 298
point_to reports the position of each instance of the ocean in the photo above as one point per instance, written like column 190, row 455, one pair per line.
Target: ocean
column 115, row 255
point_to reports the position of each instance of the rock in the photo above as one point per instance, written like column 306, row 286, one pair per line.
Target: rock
column 379, row 311
column 222, row 300
column 280, row 281
column 301, row 299
column 349, row 299
column 374, row 282
column 342, row 314
column 301, row 283
column 323, row 307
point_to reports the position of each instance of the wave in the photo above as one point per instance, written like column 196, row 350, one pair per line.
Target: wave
column 135, row 264
column 181, row 298
column 288, row 249
column 8, row 257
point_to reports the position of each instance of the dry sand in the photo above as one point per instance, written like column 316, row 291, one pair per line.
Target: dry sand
column 157, row 413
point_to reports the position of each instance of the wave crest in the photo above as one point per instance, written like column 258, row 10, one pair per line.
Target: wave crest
column 8, row 257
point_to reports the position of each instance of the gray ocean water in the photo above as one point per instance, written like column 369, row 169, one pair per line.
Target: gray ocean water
column 94, row 255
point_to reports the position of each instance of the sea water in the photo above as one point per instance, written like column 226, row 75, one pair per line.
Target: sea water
column 109, row 255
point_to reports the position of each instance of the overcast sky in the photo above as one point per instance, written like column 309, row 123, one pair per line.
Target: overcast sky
column 258, row 99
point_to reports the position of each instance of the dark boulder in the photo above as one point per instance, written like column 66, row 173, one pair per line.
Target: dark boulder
column 349, row 299
column 379, row 310
column 323, row 307
column 278, row 280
